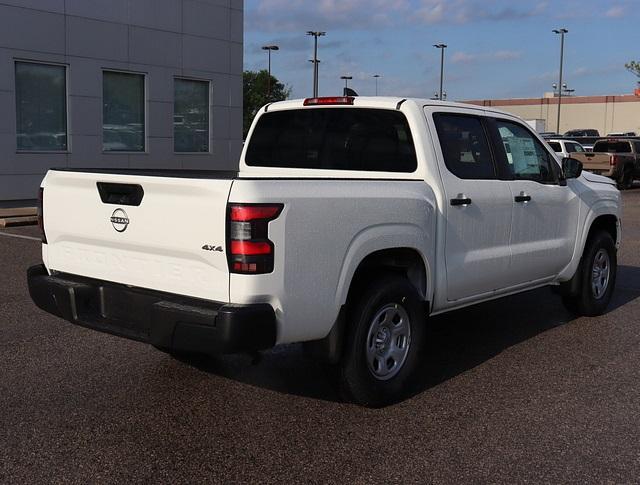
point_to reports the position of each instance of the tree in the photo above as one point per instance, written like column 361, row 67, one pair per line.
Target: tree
column 256, row 85
column 633, row 67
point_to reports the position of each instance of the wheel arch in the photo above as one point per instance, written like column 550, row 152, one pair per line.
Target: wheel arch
column 603, row 221
column 607, row 223
column 407, row 261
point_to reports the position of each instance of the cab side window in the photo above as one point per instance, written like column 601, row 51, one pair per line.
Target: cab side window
column 526, row 157
column 465, row 147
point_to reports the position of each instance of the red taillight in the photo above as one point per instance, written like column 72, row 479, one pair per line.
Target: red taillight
column 41, row 214
column 248, row 213
column 344, row 100
column 249, row 250
column 613, row 159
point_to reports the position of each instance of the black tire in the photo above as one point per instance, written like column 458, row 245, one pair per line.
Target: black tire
column 585, row 303
column 626, row 179
column 390, row 293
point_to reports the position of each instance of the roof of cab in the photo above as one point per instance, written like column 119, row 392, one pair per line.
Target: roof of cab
column 382, row 102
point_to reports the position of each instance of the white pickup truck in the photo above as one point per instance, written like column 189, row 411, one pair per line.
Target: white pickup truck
column 350, row 221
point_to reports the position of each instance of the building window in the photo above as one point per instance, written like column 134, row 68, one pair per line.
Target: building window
column 123, row 112
column 191, row 116
column 41, row 107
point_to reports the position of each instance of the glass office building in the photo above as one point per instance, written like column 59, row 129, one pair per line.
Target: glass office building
column 118, row 84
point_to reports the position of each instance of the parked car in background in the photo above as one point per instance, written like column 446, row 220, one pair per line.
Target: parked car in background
column 548, row 134
column 583, row 132
column 586, row 141
column 622, row 133
column 564, row 148
column 616, row 158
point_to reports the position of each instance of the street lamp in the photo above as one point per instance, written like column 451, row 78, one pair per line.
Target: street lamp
column 346, row 82
column 269, row 48
column 315, row 35
column 442, row 47
column 376, row 77
column 560, row 32
column 565, row 89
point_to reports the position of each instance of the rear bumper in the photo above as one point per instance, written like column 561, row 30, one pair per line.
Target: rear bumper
column 164, row 320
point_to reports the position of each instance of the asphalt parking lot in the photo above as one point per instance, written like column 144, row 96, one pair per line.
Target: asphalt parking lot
column 513, row 391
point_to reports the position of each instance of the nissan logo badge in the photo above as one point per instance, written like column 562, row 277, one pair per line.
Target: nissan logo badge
column 119, row 220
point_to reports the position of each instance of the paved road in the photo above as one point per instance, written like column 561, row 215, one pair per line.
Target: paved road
column 514, row 391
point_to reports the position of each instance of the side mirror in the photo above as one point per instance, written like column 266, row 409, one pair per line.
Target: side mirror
column 572, row 168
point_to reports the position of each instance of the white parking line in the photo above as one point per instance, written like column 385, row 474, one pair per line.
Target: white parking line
column 20, row 236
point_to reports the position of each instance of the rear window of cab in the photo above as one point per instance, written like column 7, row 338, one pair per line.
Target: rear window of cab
column 612, row 147
column 359, row 139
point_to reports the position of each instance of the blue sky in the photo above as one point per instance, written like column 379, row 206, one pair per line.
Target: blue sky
column 497, row 49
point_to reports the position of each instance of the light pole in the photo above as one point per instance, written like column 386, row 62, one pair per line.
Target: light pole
column 315, row 73
column 561, row 32
column 442, row 47
column 376, row 77
column 269, row 48
column 346, row 82
column 315, row 61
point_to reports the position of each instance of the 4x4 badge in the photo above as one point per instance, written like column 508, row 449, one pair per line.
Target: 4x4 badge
column 217, row 249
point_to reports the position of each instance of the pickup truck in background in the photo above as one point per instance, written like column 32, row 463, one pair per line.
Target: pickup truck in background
column 583, row 132
column 622, row 134
column 616, row 158
column 349, row 223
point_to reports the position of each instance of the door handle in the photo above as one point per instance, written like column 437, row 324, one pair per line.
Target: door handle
column 522, row 198
column 461, row 200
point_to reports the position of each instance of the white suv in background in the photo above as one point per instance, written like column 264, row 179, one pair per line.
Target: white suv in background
column 564, row 148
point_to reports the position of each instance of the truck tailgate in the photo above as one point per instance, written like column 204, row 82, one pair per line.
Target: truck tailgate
column 594, row 162
column 170, row 240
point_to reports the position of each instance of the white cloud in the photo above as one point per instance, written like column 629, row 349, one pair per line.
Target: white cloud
column 463, row 58
column 507, row 55
column 468, row 11
column 615, row 12
column 498, row 56
column 299, row 15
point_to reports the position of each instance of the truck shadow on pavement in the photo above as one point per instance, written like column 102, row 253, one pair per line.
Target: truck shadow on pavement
column 456, row 342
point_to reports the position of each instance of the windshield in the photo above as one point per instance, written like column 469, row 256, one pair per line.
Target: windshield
column 333, row 139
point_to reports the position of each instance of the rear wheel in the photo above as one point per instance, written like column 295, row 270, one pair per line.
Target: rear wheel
column 626, row 179
column 597, row 277
column 384, row 341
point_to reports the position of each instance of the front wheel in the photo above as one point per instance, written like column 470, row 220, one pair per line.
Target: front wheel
column 385, row 337
column 597, row 273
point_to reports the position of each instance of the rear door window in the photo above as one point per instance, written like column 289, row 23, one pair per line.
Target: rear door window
column 465, row 147
column 358, row 139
